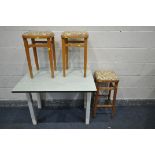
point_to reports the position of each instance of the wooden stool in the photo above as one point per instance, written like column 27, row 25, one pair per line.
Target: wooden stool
column 105, row 81
column 49, row 43
column 73, row 39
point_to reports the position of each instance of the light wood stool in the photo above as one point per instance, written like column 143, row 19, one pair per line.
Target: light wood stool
column 105, row 81
column 40, row 39
column 73, row 39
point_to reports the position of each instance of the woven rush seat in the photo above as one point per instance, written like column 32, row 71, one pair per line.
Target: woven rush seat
column 101, row 76
column 38, row 34
column 74, row 34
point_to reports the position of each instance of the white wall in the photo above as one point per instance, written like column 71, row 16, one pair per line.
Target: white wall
column 129, row 51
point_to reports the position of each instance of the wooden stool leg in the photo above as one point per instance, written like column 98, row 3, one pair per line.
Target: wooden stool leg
column 54, row 55
column 35, row 54
column 109, row 92
column 66, row 49
column 63, row 57
column 95, row 103
column 28, row 56
column 114, row 99
column 85, row 56
column 50, row 54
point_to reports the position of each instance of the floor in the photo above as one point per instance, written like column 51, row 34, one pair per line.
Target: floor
column 127, row 117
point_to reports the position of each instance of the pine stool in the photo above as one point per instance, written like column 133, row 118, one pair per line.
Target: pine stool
column 105, row 81
column 73, row 39
column 40, row 39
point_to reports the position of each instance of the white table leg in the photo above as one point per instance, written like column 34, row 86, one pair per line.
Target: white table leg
column 30, row 101
column 88, row 98
column 39, row 100
column 85, row 100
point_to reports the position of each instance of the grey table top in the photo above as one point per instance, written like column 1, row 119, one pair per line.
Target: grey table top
column 42, row 82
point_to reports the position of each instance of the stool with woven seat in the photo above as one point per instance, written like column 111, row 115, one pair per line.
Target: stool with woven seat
column 105, row 81
column 73, row 39
column 40, row 39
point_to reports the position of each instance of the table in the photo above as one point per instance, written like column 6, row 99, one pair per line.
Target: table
column 42, row 82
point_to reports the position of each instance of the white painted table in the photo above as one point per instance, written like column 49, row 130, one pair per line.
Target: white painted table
column 42, row 82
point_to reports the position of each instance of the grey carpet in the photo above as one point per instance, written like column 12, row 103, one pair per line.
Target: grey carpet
column 127, row 117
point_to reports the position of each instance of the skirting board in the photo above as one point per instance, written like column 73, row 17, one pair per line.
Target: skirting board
column 73, row 103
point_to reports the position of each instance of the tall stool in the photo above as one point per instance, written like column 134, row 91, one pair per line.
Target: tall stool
column 105, row 81
column 40, row 39
column 73, row 39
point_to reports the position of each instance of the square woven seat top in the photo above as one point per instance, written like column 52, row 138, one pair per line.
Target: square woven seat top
column 74, row 34
column 105, row 76
column 38, row 34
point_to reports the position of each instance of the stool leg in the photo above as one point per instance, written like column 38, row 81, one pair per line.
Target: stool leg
column 63, row 57
column 28, row 57
column 114, row 99
column 54, row 55
column 50, row 54
column 35, row 54
column 95, row 103
column 85, row 56
column 66, row 49
column 109, row 92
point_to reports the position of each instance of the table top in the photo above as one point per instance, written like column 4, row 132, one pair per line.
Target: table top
column 42, row 82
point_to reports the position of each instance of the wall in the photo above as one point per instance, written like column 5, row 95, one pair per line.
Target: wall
column 129, row 51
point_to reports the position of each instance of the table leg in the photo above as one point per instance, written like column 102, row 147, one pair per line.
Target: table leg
column 30, row 101
column 88, row 98
column 39, row 100
column 85, row 100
